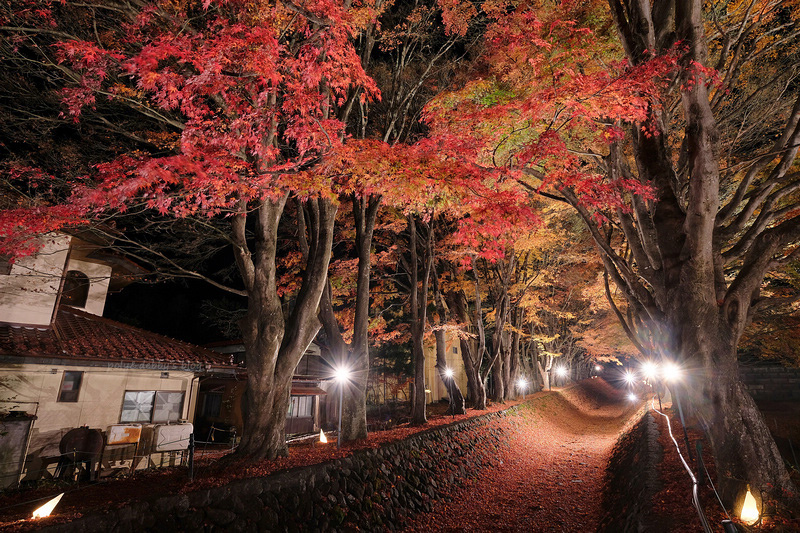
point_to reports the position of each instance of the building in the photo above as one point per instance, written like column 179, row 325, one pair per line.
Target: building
column 433, row 382
column 219, row 412
column 63, row 366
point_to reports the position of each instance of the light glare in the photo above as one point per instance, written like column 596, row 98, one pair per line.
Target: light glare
column 342, row 374
column 561, row 371
column 649, row 369
column 749, row 514
column 671, row 372
column 522, row 384
column 632, row 397
column 629, row 377
column 47, row 508
column 449, row 372
column 322, row 438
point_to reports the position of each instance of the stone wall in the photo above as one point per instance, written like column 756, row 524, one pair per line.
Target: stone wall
column 374, row 489
column 771, row 383
column 632, row 479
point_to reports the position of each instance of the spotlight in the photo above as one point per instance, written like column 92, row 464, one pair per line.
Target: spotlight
column 649, row 369
column 672, row 372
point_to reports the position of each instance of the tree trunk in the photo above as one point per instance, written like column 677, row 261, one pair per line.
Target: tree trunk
column 453, row 392
column 354, row 356
column 274, row 344
column 419, row 300
column 498, row 383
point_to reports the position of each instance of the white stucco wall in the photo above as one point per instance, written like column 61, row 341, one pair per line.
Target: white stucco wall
column 28, row 294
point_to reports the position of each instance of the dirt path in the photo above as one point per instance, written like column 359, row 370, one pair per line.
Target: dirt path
column 551, row 478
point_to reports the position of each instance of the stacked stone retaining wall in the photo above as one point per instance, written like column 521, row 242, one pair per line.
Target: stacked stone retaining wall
column 771, row 383
column 632, row 479
column 371, row 490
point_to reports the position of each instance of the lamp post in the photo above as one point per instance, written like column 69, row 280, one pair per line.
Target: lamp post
column 448, row 373
column 561, row 372
column 342, row 377
column 522, row 384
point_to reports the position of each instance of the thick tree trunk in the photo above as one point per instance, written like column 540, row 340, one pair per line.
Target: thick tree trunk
column 453, row 392
column 544, row 374
column 498, row 383
column 475, row 388
column 744, row 450
column 274, row 344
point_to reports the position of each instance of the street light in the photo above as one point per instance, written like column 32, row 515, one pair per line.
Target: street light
column 342, row 375
column 561, row 372
column 629, row 377
column 449, row 373
column 672, row 372
column 522, row 384
column 649, row 369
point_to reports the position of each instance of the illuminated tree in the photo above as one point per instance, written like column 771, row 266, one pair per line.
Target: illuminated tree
column 247, row 95
column 689, row 198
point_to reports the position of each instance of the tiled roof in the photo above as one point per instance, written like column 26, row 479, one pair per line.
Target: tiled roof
column 82, row 336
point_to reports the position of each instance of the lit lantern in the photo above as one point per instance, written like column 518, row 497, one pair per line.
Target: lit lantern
column 47, row 508
column 749, row 513
column 322, row 438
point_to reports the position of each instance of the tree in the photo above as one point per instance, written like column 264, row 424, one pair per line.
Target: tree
column 690, row 202
column 250, row 91
column 411, row 57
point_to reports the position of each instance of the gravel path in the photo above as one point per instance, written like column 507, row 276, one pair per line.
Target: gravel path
column 551, row 477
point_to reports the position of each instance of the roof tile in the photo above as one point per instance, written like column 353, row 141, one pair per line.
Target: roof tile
column 83, row 336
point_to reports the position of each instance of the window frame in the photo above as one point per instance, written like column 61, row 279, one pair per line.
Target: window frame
column 76, row 389
column 151, row 419
column 79, row 291
column 297, row 401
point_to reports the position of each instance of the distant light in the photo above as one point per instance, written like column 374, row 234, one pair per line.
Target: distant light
column 649, row 369
column 342, row 374
column 47, row 508
column 561, row 371
column 749, row 514
column 629, row 377
column 449, row 372
column 632, row 397
column 322, row 438
column 522, row 383
column 598, row 368
column 671, row 372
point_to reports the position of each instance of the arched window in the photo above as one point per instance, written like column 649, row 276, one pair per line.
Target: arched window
column 76, row 289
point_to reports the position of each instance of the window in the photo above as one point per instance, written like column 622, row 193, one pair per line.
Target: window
column 455, row 349
column 70, row 386
column 76, row 289
column 137, row 406
column 300, row 406
column 168, row 406
column 212, row 404
column 152, row 406
column 5, row 265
